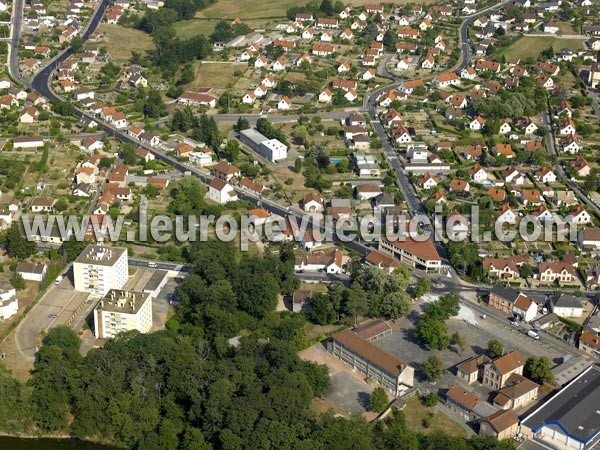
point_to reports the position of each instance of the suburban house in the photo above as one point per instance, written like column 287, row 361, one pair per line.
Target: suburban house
column 226, row 171
column 466, row 404
column 319, row 262
column 589, row 342
column 43, row 204
column 471, row 370
column 512, row 302
column 314, row 202
column 221, row 191
column 32, row 271
column 503, row 424
column 519, row 392
column 384, row 262
column 567, row 305
column 497, row 372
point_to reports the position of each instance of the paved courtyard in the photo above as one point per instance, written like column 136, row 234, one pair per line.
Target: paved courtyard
column 348, row 389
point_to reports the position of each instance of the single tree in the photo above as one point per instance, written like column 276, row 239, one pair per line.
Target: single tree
column 432, row 368
column 539, row 369
column 17, row 281
column 378, row 400
column 495, row 348
column 431, row 399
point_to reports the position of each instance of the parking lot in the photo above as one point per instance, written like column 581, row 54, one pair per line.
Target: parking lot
column 58, row 306
column 477, row 333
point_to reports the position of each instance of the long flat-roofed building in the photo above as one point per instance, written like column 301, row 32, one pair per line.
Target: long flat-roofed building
column 98, row 269
column 272, row 149
column 371, row 361
column 419, row 254
column 570, row 419
column 122, row 311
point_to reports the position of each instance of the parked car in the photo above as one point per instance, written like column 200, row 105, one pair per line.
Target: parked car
column 533, row 334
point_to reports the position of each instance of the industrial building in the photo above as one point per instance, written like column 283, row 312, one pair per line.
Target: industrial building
column 122, row 311
column 99, row 269
column 271, row 149
column 571, row 418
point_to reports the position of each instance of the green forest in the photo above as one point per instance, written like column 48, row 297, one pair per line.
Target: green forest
column 187, row 388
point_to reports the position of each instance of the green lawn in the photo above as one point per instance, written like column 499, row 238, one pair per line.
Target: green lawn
column 189, row 28
column 415, row 412
column 530, row 47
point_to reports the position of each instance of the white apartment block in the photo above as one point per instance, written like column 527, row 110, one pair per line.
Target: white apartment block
column 121, row 311
column 99, row 269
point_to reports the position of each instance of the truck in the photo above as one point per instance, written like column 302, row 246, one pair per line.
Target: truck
column 533, row 334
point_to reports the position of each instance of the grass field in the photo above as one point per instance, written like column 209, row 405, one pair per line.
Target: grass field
column 415, row 413
column 121, row 41
column 188, row 28
column 530, row 47
column 217, row 75
column 256, row 9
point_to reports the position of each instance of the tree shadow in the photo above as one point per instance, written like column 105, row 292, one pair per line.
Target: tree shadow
column 363, row 399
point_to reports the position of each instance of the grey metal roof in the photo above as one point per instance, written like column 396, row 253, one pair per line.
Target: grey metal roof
column 155, row 280
column 574, row 410
column 505, row 292
column 567, row 301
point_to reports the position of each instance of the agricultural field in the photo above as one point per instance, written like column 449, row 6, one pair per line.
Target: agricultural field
column 121, row 41
column 230, row 9
column 531, row 46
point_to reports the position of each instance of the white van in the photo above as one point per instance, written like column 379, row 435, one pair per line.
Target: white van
column 152, row 264
column 533, row 335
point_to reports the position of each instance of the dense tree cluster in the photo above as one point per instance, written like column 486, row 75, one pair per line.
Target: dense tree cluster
column 431, row 329
column 16, row 244
column 149, row 102
column 204, row 129
column 325, row 8
column 372, row 293
column 171, row 52
column 526, row 103
column 265, row 127
column 224, row 31
column 11, row 171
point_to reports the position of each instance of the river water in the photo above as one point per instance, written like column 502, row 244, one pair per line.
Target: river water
column 11, row 443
